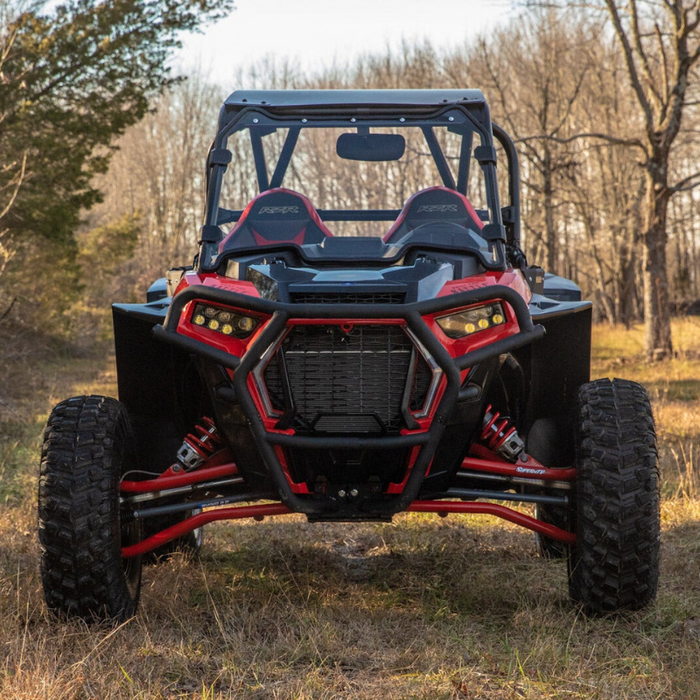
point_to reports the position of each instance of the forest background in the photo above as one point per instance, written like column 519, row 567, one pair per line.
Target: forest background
column 102, row 150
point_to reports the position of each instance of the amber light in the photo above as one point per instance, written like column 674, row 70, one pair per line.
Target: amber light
column 223, row 321
column 472, row 320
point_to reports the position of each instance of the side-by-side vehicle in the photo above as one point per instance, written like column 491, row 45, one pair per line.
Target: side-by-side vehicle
column 359, row 336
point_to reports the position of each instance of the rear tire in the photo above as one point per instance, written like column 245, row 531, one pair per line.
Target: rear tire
column 88, row 445
column 189, row 544
column 614, row 564
column 553, row 515
column 547, row 443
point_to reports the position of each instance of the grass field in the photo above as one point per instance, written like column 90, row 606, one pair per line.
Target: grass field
column 421, row 608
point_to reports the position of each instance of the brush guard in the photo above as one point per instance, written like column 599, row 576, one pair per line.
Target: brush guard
column 426, row 442
column 411, row 314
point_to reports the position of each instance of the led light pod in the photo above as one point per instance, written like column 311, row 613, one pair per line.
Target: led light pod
column 224, row 321
column 246, row 324
column 472, row 320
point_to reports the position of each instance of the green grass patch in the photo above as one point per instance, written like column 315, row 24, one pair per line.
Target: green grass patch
column 20, row 448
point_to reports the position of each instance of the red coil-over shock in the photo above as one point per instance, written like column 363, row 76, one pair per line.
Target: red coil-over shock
column 197, row 447
column 501, row 438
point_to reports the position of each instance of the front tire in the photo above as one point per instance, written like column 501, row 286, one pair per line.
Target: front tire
column 88, row 445
column 614, row 564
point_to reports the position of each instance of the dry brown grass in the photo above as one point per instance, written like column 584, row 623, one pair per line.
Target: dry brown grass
column 420, row 608
column 674, row 387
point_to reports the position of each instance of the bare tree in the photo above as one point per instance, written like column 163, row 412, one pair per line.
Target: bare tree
column 533, row 73
column 557, row 82
column 660, row 43
column 157, row 175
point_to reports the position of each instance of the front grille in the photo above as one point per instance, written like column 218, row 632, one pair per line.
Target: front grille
column 344, row 382
column 348, row 297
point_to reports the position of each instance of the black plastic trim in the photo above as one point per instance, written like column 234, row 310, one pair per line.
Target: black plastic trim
column 356, row 443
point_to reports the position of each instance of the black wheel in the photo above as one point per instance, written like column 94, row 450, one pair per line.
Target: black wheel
column 554, row 515
column 548, row 443
column 88, row 445
column 614, row 564
column 190, row 544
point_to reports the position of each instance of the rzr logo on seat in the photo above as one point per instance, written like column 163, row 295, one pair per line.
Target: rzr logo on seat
column 279, row 210
column 432, row 208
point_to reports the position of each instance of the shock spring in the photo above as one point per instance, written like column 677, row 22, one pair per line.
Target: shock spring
column 200, row 444
column 501, row 437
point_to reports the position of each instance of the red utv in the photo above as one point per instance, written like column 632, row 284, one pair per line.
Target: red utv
column 413, row 363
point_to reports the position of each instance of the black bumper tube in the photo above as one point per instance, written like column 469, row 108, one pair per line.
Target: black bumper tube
column 412, row 314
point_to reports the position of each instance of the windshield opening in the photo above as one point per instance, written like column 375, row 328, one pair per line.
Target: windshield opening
column 306, row 160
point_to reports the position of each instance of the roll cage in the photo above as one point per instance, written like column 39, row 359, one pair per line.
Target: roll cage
column 462, row 111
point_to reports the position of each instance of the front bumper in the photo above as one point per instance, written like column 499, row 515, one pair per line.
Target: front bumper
column 426, row 441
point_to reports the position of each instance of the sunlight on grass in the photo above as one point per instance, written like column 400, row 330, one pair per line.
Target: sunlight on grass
column 423, row 607
column 674, row 388
column 617, row 352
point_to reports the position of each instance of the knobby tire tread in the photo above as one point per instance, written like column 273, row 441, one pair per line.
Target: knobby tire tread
column 86, row 442
column 614, row 564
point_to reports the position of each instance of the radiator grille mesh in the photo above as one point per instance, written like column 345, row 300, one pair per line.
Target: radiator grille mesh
column 345, row 382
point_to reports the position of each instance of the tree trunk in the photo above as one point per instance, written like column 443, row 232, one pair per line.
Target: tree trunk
column 657, row 320
column 550, row 228
column 632, row 279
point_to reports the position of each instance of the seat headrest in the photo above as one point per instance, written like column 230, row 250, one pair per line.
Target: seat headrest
column 278, row 205
column 434, row 204
column 277, row 216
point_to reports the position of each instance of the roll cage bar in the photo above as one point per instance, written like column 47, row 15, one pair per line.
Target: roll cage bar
column 461, row 114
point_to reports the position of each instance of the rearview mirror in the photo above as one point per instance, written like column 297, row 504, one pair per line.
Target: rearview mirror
column 371, row 147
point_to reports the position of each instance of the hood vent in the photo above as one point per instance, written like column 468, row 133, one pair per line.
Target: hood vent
column 348, row 297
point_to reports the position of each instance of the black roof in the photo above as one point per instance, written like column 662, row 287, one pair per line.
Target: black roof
column 327, row 98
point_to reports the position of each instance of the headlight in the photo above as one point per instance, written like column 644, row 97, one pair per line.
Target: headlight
column 223, row 321
column 472, row 320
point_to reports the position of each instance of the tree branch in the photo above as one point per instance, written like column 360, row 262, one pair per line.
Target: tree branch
column 632, row 68
column 593, row 135
column 664, row 62
column 7, row 311
column 639, row 49
column 685, row 184
column 18, row 184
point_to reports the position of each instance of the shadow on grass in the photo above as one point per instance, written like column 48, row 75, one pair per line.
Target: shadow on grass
column 431, row 572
